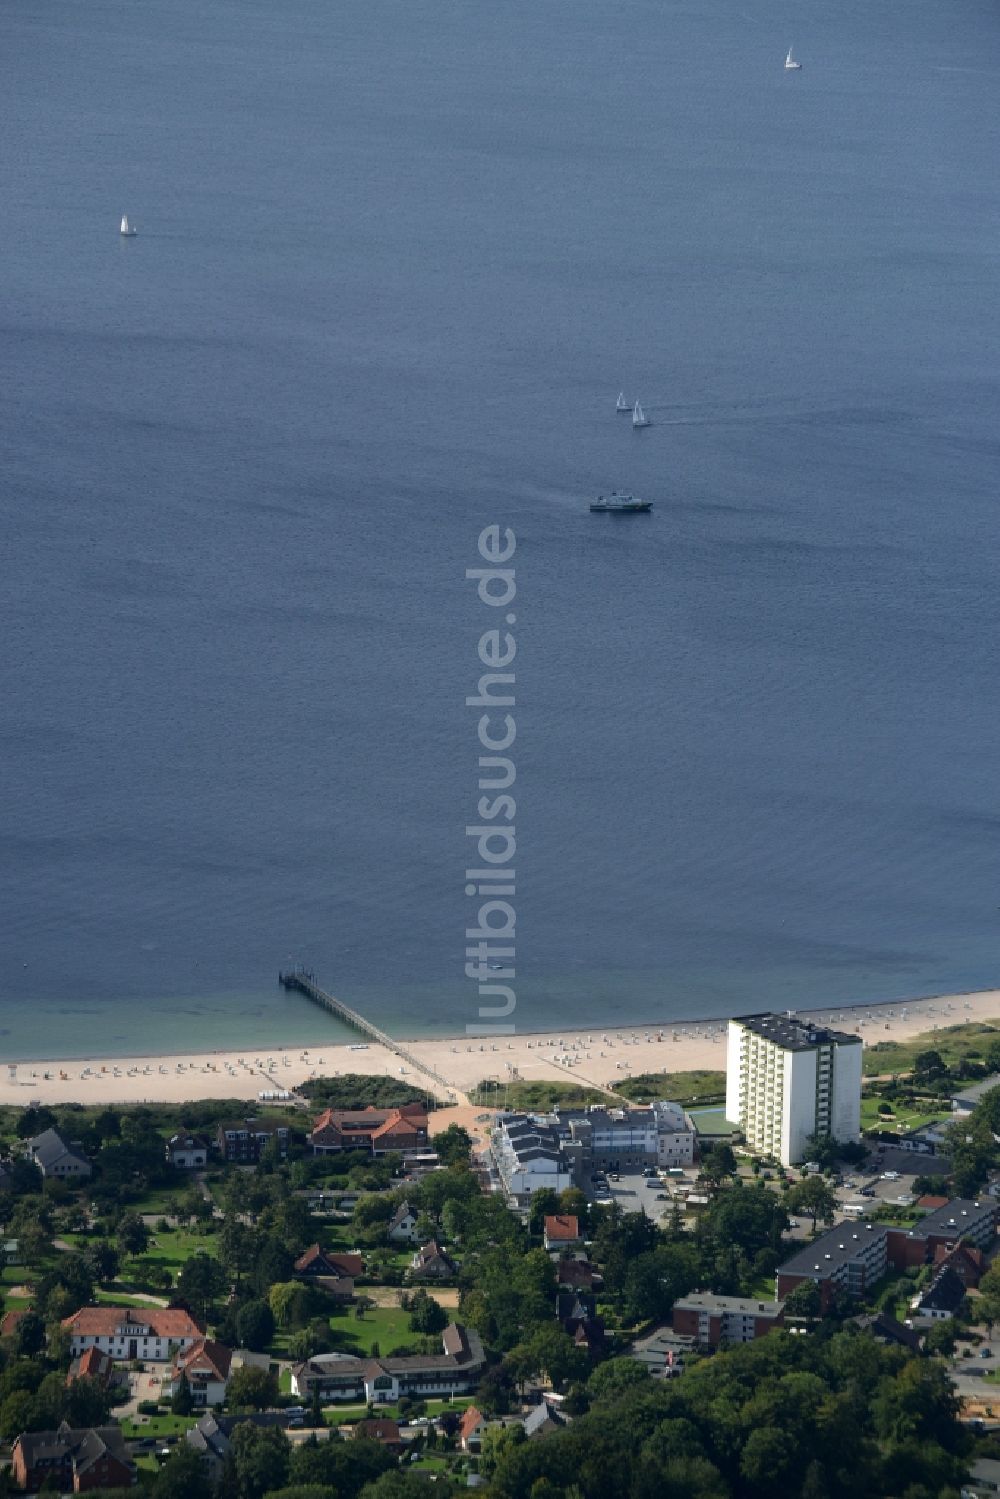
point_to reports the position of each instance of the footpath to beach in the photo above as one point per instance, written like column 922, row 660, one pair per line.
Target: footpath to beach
column 591, row 1057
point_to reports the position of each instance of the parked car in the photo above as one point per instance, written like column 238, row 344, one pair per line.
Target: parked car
column 985, row 1353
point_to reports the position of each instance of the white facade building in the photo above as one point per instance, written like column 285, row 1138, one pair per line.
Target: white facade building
column 528, row 1155
column 787, row 1079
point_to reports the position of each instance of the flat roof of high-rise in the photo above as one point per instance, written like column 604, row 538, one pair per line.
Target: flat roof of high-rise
column 793, row 1034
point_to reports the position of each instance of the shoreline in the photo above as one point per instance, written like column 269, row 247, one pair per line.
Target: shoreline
column 586, row 1056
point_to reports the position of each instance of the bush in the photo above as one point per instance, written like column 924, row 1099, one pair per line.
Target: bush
column 148, row 1408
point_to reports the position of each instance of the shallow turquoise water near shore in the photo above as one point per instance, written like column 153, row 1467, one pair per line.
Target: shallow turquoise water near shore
column 393, row 266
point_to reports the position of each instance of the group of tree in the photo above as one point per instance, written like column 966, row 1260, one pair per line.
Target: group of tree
column 838, row 1417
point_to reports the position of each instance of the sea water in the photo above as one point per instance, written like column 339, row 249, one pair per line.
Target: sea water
column 394, row 263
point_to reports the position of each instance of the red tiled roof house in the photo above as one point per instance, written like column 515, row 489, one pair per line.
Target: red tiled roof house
column 375, row 1130
column 126, row 1332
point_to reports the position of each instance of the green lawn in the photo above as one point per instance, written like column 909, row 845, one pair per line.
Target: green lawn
column 902, row 1118
column 712, row 1121
column 157, row 1426
column 683, row 1087
column 952, row 1042
column 385, row 1325
column 337, row 1415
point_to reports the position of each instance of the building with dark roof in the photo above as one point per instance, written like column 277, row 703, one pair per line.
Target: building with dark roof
column 73, row 1461
column 381, row 1381
column 55, row 1158
column 885, row 1329
column 186, row 1152
column 942, row 1297
column 210, row 1438
column 850, row 1257
column 431, row 1262
column 243, row 1141
column 335, row 1273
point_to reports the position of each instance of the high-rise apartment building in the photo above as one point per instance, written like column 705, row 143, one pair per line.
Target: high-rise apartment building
column 787, row 1079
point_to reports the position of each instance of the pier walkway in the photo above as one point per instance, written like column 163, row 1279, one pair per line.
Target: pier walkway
column 304, row 982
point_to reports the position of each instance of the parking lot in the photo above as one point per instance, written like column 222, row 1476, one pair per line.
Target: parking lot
column 633, row 1191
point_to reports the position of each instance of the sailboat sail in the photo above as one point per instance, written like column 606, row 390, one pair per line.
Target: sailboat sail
column 790, row 61
column 126, row 228
column 622, row 404
column 639, row 417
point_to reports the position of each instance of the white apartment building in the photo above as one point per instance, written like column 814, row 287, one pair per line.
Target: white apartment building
column 661, row 1135
column 787, row 1079
column 528, row 1155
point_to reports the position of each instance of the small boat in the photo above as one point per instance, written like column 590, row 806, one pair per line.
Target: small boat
column 791, row 66
column 126, row 231
column 621, row 504
column 639, row 417
column 621, row 404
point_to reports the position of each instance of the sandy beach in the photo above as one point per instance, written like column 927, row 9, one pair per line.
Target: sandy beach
column 598, row 1058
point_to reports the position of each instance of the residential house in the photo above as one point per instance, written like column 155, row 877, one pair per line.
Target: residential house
column 380, row 1429
column 381, row 1381
column 968, row 1264
column 55, row 1158
column 187, row 1152
column 542, row 1420
column 431, row 1262
column 206, row 1366
column 578, row 1274
column 10, row 1252
column 942, row 1297
column 210, row 1437
column 9, row 1321
column 126, row 1332
column 244, row 1141
column 471, row 1430
column 560, row 1230
column 93, row 1364
column 711, row 1320
column 335, row 1273
column 402, row 1225
column 662, row 1352
column 886, row 1330
column 72, row 1461
column 576, row 1316
column 375, row 1130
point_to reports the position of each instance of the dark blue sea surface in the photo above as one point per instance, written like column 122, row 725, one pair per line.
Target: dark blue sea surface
column 394, row 263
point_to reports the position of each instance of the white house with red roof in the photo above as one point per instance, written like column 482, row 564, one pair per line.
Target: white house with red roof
column 560, row 1230
column 128, row 1332
column 205, row 1365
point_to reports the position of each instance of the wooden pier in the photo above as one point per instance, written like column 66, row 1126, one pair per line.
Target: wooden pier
column 304, row 982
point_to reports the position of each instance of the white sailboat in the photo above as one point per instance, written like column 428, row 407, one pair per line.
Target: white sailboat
column 639, row 417
column 791, row 66
column 621, row 404
column 126, row 231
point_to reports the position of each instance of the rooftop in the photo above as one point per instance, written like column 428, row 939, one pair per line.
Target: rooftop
column 746, row 1306
column 838, row 1246
column 792, row 1034
column 952, row 1219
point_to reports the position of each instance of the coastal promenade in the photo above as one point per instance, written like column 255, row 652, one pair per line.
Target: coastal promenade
column 590, row 1057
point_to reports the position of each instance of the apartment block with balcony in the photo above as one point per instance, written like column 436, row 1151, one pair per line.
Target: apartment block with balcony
column 787, row 1079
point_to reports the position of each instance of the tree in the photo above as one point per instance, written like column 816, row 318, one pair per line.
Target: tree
column 201, row 1281
column 750, row 1218
column 814, row 1196
column 345, row 1466
column 615, row 1377
column 453, row 1145
column 238, row 1247
column 183, row 1476
column 103, row 1260
column 988, row 1304
column 426, row 1314
column 29, row 1338
column 260, row 1459
column 250, row 1388
column 132, row 1236
column 928, row 1065
column 182, row 1400
column 544, row 1203
column 35, row 1120
column 718, row 1163
column 15, row 1414
column 804, row 1300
